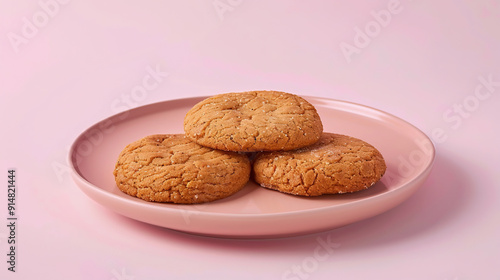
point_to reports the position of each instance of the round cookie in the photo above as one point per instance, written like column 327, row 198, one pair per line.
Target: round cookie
column 253, row 121
column 335, row 164
column 172, row 168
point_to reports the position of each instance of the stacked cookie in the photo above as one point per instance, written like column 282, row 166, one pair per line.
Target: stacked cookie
column 211, row 161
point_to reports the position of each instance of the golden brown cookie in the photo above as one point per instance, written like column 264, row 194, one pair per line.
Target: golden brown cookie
column 172, row 168
column 335, row 164
column 253, row 121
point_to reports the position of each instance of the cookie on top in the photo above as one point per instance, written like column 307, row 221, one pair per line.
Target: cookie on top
column 253, row 121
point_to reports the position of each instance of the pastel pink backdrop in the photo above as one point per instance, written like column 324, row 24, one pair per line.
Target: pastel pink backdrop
column 82, row 62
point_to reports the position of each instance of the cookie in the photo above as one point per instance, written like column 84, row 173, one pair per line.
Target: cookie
column 253, row 121
column 335, row 164
column 172, row 168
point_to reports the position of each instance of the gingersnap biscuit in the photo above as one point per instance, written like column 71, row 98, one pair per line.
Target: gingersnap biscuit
column 172, row 168
column 253, row 121
column 335, row 164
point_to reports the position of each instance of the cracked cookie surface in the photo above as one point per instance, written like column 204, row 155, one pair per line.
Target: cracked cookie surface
column 172, row 168
column 253, row 121
column 335, row 164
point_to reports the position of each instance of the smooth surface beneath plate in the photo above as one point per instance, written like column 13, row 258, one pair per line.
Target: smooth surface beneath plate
column 255, row 211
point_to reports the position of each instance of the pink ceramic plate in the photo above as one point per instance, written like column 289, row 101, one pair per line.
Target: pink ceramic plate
column 254, row 211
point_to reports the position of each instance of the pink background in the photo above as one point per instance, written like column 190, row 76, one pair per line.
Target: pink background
column 65, row 65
